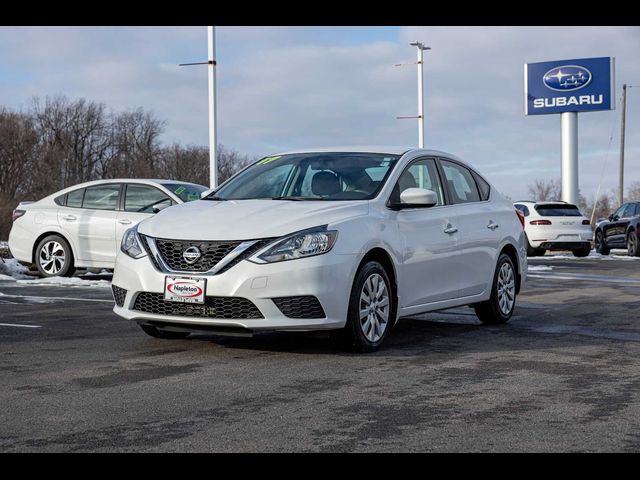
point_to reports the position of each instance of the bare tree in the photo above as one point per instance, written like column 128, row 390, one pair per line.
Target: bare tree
column 633, row 192
column 544, row 190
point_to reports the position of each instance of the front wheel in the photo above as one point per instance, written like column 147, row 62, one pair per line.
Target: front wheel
column 633, row 249
column 372, row 310
column 600, row 246
column 499, row 308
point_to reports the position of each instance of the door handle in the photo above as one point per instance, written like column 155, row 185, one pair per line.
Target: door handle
column 492, row 225
column 124, row 221
column 450, row 229
column 69, row 217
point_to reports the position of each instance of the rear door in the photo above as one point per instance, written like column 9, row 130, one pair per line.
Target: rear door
column 140, row 201
column 93, row 225
column 478, row 228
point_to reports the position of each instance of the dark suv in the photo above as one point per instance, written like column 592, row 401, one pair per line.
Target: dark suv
column 620, row 230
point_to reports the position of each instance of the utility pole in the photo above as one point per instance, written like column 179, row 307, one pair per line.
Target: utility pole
column 420, row 48
column 211, row 67
column 622, row 127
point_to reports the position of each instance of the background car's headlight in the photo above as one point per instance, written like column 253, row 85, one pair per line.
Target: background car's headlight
column 306, row 243
column 131, row 243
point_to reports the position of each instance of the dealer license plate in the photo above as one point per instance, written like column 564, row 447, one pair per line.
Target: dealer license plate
column 184, row 289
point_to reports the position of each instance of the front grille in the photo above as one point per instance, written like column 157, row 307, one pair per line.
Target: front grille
column 211, row 253
column 119, row 295
column 214, row 307
column 306, row 306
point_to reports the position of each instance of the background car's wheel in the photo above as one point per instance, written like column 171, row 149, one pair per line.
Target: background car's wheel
column 582, row 252
column 600, row 247
column 54, row 257
column 633, row 249
column 371, row 313
column 499, row 308
column 157, row 333
column 534, row 252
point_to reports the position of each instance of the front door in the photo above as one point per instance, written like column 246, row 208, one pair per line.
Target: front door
column 429, row 244
column 140, row 202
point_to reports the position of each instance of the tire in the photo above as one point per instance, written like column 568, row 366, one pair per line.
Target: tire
column 499, row 308
column 633, row 249
column 582, row 252
column 365, row 332
column 54, row 258
column 534, row 252
column 600, row 246
column 157, row 333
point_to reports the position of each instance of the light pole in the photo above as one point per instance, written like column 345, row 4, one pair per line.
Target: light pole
column 420, row 47
column 211, row 67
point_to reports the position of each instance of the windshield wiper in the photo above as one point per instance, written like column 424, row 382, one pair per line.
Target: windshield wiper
column 215, row 198
column 296, row 199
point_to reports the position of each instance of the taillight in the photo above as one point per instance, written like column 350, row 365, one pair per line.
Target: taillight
column 17, row 214
column 520, row 217
column 540, row 222
column 586, row 222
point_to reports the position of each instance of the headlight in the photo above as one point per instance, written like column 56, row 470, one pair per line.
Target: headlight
column 131, row 243
column 306, row 243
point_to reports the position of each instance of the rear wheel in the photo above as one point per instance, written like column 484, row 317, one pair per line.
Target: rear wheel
column 54, row 257
column 534, row 252
column 499, row 308
column 157, row 333
column 633, row 249
column 582, row 252
column 371, row 313
column 600, row 246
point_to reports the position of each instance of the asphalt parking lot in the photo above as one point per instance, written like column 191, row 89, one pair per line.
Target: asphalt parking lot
column 562, row 375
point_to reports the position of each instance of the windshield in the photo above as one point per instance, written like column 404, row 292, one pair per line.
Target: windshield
column 311, row 176
column 187, row 192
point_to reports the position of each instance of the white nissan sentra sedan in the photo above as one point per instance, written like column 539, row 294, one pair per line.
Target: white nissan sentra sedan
column 347, row 240
column 82, row 226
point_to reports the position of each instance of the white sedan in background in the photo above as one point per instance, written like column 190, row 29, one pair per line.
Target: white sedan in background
column 82, row 226
column 347, row 240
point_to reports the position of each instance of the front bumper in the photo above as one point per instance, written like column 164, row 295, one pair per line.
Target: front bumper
column 328, row 277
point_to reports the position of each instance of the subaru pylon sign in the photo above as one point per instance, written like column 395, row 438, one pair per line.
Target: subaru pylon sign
column 582, row 85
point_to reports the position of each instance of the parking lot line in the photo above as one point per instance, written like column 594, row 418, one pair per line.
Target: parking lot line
column 58, row 298
column 18, row 325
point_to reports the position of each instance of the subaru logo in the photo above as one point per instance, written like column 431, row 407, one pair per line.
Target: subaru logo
column 566, row 78
column 191, row 255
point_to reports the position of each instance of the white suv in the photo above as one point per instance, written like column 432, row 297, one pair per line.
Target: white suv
column 346, row 240
column 81, row 226
column 555, row 226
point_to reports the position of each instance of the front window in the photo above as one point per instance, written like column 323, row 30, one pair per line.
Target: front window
column 311, row 176
column 188, row 192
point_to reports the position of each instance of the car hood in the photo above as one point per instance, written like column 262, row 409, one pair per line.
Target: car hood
column 247, row 219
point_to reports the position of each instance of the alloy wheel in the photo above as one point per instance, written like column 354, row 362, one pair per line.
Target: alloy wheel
column 374, row 307
column 52, row 257
column 506, row 288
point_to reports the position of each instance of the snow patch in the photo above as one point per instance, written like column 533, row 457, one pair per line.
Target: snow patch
column 67, row 282
column 11, row 269
column 593, row 255
column 539, row 268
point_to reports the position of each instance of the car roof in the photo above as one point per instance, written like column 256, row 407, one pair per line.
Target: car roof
column 130, row 180
column 556, row 202
column 391, row 150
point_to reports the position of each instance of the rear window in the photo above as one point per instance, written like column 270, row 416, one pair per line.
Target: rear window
column 559, row 210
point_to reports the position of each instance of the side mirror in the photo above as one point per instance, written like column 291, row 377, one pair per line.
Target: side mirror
column 416, row 198
column 206, row 192
column 160, row 206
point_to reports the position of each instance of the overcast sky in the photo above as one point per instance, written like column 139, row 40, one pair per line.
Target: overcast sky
column 282, row 88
